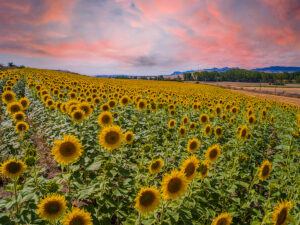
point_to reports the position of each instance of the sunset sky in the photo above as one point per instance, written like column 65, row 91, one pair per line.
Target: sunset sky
column 149, row 36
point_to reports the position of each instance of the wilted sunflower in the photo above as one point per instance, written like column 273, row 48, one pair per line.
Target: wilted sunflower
column 78, row 115
column 243, row 133
column 105, row 119
column 204, row 118
column 19, row 116
column 14, row 107
column 182, row 131
column 189, row 167
column 12, row 168
column 67, row 151
column 203, row 169
column 213, row 153
column 281, row 212
column 142, row 104
column 207, row 130
column 192, row 126
column 52, row 207
column 77, row 216
column 124, row 101
column 21, row 127
column 193, row 145
column 156, row 166
column 218, row 131
column 171, row 124
column 8, row 97
column 148, row 200
column 222, row 219
column 111, row 137
column 174, row 184
column 265, row 170
column 24, row 102
column 128, row 137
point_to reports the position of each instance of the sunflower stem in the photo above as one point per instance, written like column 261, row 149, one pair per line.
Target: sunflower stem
column 16, row 196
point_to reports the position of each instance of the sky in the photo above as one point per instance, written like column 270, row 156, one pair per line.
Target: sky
column 149, row 36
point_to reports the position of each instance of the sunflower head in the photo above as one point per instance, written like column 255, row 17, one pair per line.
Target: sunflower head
column 12, row 168
column 193, row 145
column 105, row 119
column 272, row 119
column 222, row 219
column 24, row 102
column 52, row 207
column 77, row 216
column 142, row 104
column 265, row 170
column 67, row 151
column 21, row 127
column 174, row 184
column 86, row 107
column 185, row 120
column 78, row 115
column 111, row 137
column 182, row 131
column 243, row 133
column 189, row 167
column 192, row 126
column 128, row 137
column 19, row 116
column 207, row 130
column 204, row 118
column 203, row 169
column 213, row 153
column 171, row 124
column 251, row 120
column 218, row 131
column 218, row 109
column 14, row 107
column 124, row 101
column 105, row 107
column 8, row 97
column 156, row 166
column 281, row 212
column 148, row 200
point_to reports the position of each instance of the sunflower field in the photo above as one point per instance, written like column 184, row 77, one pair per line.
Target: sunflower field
column 79, row 150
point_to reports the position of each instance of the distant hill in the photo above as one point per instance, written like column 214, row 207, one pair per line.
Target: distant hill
column 277, row 69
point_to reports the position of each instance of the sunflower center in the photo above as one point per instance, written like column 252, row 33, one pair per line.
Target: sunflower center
column 182, row 131
column 193, row 145
column 218, row 131
column 244, row 132
column 21, row 127
column 282, row 216
column 142, row 105
column 8, row 97
column 105, row 119
column 78, row 115
column 265, row 170
column 67, row 149
column 190, row 169
column 124, row 100
column 13, row 167
column 207, row 129
column 105, row 108
column 251, row 120
column 213, row 153
column 52, row 207
column 174, row 185
column 155, row 165
column 19, row 117
column 85, row 108
column 128, row 137
column 112, row 137
column 172, row 124
column 203, row 119
column 77, row 220
column 222, row 221
column 147, row 198
column 15, row 108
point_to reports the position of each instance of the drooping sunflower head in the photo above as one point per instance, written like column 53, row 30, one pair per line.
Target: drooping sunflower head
column 21, row 127
column 156, row 166
column 78, row 115
column 142, row 104
column 218, row 131
column 19, row 116
column 185, row 120
column 203, row 169
column 243, row 133
column 222, row 219
column 189, row 167
column 67, row 151
column 193, row 145
column 182, row 131
column 174, row 184
column 14, row 107
column 281, row 212
column 111, row 137
column 265, row 170
column 105, row 119
column 128, row 137
column 8, row 97
column 193, row 125
column 204, row 118
column 24, row 102
column 148, row 200
column 77, row 216
column 171, row 124
column 12, row 168
column 124, row 101
column 207, row 130
column 213, row 153
column 52, row 207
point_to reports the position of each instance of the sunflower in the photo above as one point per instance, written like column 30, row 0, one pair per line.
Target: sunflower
column 204, row 118
column 281, row 212
column 19, row 116
column 105, row 119
column 272, row 119
column 78, row 115
column 24, row 102
column 193, row 145
column 182, row 131
column 86, row 107
column 12, row 168
column 189, row 167
column 243, row 133
column 14, row 107
column 156, row 166
column 213, row 153
column 8, row 97
column 222, row 219
column 251, row 119
column 52, row 207
column 203, row 169
column 111, row 137
column 171, row 124
column 265, row 170
column 142, row 104
column 174, row 184
column 172, row 112
column 207, row 130
column 77, row 216
column 21, row 127
column 234, row 110
column 231, row 120
column 124, row 101
column 218, row 109
column 105, row 107
column 185, row 120
column 67, row 151
column 192, row 126
column 128, row 137
column 218, row 131
column 148, row 200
